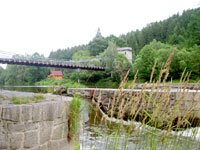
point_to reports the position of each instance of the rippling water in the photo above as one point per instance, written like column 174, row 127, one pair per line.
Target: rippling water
column 100, row 135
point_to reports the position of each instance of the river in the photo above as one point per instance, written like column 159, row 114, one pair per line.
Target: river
column 98, row 134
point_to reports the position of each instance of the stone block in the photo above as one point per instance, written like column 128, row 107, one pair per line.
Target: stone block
column 3, row 141
column 26, row 112
column 31, row 139
column 3, row 137
column 11, row 113
column 21, row 127
column 42, row 147
column 31, row 126
column 45, row 131
column 0, row 111
column 54, row 145
column 61, row 109
column 64, row 145
column 15, row 127
column 16, row 141
column 36, row 112
column 59, row 121
column 57, row 132
column 65, row 131
column 48, row 111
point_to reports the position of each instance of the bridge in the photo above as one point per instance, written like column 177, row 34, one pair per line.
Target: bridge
column 46, row 62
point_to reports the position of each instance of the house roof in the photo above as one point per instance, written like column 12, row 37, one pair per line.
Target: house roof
column 57, row 73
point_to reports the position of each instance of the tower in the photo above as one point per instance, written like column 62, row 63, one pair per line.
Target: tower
column 127, row 51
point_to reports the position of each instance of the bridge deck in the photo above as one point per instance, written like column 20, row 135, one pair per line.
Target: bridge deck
column 48, row 64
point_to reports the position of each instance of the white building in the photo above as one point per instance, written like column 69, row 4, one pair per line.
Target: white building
column 127, row 51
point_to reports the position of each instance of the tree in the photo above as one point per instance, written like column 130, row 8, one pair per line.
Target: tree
column 116, row 64
column 110, row 56
column 145, row 61
column 2, row 76
column 195, row 62
column 98, row 44
column 25, row 75
column 121, row 66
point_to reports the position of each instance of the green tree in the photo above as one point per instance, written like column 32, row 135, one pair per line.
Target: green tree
column 98, row 44
column 195, row 62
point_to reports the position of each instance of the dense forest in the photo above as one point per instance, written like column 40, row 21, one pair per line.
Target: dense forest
column 153, row 43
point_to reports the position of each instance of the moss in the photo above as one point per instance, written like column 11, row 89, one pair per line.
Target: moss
column 26, row 100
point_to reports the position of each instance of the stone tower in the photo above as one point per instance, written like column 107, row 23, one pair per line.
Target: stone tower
column 127, row 51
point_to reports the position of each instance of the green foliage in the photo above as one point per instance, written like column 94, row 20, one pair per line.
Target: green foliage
column 104, row 83
column 182, row 30
column 157, row 52
column 24, row 75
column 97, row 45
column 1, row 96
column 81, row 55
column 116, row 64
column 51, row 81
column 66, row 54
column 38, row 98
column 145, row 61
column 72, row 84
column 66, row 82
column 195, row 61
column 110, row 56
column 20, row 100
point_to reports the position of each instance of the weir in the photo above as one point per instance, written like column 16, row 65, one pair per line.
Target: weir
column 186, row 100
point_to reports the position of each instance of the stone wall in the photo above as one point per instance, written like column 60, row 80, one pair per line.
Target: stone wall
column 191, row 97
column 39, row 126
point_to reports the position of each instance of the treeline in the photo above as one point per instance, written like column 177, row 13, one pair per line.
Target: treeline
column 23, row 75
column 152, row 44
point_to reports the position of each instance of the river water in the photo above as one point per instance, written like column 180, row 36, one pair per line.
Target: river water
column 101, row 134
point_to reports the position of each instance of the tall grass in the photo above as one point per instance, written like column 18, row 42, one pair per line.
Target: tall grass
column 157, row 114
column 26, row 100
column 74, row 118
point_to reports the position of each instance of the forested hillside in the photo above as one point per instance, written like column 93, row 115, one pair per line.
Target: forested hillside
column 152, row 44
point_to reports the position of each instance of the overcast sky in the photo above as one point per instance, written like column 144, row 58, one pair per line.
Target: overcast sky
column 28, row 26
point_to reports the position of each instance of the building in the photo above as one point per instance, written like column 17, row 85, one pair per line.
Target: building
column 56, row 75
column 127, row 51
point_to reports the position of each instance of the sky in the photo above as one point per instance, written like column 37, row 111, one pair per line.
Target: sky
column 28, row 26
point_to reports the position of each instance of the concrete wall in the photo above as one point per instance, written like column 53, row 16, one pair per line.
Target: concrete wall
column 174, row 85
column 191, row 97
column 40, row 126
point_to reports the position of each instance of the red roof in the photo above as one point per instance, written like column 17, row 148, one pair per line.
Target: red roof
column 57, row 73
